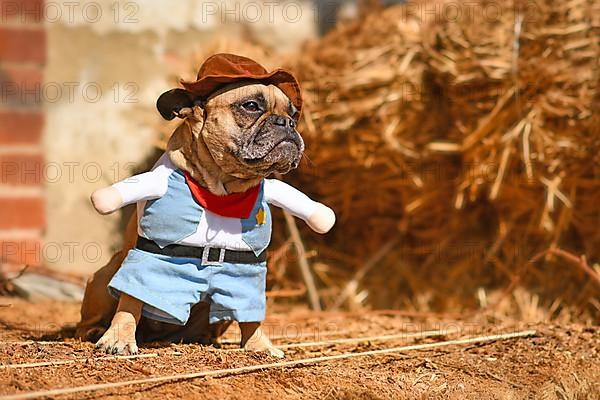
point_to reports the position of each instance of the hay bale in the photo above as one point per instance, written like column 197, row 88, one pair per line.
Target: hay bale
column 524, row 87
column 505, row 103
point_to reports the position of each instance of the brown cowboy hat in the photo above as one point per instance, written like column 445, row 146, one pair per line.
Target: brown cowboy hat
column 221, row 69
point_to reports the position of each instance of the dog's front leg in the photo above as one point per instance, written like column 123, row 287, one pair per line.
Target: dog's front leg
column 120, row 337
column 254, row 339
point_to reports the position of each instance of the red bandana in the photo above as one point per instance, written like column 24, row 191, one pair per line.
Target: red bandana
column 236, row 205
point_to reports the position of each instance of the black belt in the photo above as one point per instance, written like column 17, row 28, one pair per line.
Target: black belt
column 208, row 255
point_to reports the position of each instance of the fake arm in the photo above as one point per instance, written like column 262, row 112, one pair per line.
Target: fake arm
column 146, row 186
column 318, row 216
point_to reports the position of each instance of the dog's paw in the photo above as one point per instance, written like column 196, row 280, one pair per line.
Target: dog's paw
column 271, row 351
column 274, row 352
column 112, row 343
column 264, row 348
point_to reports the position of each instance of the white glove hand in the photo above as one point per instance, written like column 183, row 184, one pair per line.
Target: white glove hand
column 107, row 200
column 322, row 219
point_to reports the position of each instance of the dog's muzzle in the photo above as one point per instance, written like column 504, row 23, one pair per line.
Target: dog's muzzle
column 276, row 146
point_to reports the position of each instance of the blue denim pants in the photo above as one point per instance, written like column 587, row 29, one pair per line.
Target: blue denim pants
column 170, row 286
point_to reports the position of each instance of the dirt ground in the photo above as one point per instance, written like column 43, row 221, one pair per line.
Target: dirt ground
column 559, row 362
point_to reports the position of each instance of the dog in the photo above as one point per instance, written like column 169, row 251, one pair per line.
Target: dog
column 203, row 225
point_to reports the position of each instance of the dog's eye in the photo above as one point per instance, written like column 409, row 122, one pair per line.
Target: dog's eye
column 251, row 106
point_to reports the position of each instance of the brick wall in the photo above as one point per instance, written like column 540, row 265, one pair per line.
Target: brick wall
column 22, row 200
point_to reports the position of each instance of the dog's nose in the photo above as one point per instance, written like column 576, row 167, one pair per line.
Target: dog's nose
column 280, row 120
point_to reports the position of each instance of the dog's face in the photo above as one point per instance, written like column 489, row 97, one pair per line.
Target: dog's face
column 249, row 129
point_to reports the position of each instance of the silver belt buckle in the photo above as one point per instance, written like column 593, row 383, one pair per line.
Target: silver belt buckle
column 206, row 253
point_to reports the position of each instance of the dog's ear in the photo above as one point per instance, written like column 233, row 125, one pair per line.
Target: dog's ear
column 171, row 104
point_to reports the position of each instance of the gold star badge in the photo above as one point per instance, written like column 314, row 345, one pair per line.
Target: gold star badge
column 261, row 217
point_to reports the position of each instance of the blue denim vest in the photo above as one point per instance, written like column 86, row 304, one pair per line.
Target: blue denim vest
column 176, row 215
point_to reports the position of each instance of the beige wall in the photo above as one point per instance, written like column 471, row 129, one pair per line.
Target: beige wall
column 92, row 139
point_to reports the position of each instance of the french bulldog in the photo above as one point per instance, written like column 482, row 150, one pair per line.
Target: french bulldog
column 227, row 144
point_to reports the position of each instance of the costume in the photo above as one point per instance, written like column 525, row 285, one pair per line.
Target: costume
column 167, row 273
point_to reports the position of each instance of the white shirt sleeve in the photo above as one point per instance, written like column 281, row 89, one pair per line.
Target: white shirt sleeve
column 147, row 186
column 289, row 198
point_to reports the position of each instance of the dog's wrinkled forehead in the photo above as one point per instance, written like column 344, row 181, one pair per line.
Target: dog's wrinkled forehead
column 269, row 97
